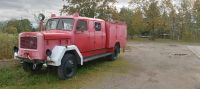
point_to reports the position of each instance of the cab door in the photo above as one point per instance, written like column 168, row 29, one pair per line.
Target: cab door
column 82, row 36
column 98, row 35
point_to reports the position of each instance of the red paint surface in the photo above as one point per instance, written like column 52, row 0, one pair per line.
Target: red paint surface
column 89, row 42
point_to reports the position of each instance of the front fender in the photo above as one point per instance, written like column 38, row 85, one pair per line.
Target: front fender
column 59, row 51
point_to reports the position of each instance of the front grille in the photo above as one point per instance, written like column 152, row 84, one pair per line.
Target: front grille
column 28, row 42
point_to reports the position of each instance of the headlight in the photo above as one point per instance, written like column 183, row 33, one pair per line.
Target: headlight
column 15, row 49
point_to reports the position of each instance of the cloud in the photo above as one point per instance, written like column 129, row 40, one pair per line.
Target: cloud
column 27, row 8
column 122, row 3
column 18, row 9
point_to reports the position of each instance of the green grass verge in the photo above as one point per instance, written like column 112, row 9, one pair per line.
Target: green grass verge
column 14, row 77
column 7, row 42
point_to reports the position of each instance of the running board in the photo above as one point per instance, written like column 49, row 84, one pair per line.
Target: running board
column 96, row 57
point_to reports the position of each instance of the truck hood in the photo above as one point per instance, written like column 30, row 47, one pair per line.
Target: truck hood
column 56, row 34
column 30, row 34
column 48, row 35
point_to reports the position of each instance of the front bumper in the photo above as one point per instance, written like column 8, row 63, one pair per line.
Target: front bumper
column 37, row 61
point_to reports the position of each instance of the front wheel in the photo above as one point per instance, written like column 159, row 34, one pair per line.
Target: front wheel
column 68, row 67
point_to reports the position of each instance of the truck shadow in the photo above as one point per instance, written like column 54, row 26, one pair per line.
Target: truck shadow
column 91, row 65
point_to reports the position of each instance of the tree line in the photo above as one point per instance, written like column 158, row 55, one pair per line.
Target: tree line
column 14, row 26
column 177, row 20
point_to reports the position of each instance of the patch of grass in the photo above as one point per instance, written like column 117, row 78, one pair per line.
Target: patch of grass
column 15, row 78
column 8, row 41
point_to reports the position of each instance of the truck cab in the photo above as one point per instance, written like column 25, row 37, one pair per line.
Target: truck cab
column 68, row 41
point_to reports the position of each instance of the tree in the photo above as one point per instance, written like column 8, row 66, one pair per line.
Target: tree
column 17, row 26
column 196, row 11
column 196, row 15
column 126, row 15
column 138, row 22
column 173, row 23
column 153, row 18
column 164, row 27
column 185, row 20
column 180, row 20
column 90, row 8
column 143, row 4
column 24, row 25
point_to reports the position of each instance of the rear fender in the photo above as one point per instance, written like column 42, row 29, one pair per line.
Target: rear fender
column 59, row 51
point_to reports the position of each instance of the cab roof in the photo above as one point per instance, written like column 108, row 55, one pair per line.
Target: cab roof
column 76, row 17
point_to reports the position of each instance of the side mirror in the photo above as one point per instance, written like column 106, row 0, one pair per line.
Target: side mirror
column 41, row 17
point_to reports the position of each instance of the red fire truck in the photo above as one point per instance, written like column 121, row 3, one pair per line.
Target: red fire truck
column 68, row 41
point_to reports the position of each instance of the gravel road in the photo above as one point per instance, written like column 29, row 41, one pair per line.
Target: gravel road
column 153, row 66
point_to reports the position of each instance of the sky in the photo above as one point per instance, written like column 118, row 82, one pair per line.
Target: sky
column 21, row 9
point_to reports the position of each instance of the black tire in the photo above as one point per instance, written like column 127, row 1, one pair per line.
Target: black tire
column 28, row 67
column 115, row 54
column 68, row 67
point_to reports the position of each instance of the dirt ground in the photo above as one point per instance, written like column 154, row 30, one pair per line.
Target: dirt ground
column 153, row 66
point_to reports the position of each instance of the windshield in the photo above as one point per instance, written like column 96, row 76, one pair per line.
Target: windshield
column 59, row 24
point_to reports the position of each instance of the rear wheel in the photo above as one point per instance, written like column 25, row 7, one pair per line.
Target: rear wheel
column 68, row 67
column 115, row 54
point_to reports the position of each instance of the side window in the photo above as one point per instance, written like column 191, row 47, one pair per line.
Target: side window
column 81, row 25
column 97, row 26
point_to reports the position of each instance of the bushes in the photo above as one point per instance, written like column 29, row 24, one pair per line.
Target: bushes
column 7, row 42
